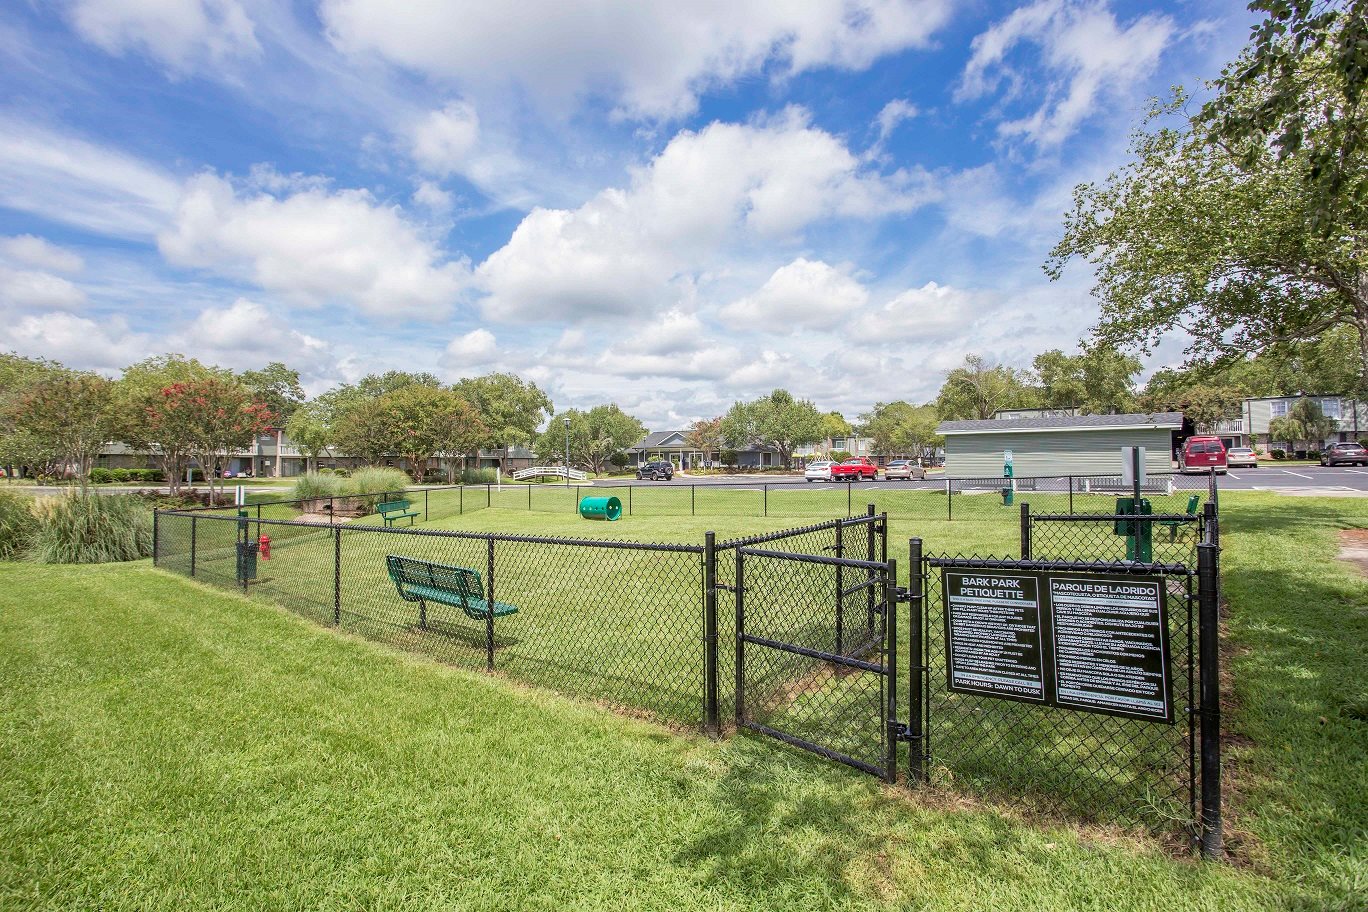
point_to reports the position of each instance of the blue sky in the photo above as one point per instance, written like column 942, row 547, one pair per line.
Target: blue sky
column 670, row 206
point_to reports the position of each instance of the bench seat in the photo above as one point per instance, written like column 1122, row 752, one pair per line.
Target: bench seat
column 395, row 510
column 424, row 581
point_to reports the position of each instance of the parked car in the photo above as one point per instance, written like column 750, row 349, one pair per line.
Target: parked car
column 1202, row 454
column 859, row 468
column 1344, row 454
column 1242, row 458
column 657, row 470
column 905, row 469
column 818, row 471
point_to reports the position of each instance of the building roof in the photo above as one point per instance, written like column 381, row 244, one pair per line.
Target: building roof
column 658, row 438
column 1164, row 420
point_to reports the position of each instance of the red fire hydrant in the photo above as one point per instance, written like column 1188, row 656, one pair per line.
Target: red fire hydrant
column 264, row 547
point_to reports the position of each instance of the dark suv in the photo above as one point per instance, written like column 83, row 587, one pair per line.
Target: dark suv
column 1344, row 454
column 657, row 470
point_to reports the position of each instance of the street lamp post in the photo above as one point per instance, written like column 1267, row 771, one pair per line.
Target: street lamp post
column 567, row 452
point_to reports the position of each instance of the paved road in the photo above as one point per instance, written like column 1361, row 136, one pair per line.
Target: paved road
column 1266, row 477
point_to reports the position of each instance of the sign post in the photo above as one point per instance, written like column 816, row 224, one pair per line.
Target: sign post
column 1139, row 534
column 1009, row 486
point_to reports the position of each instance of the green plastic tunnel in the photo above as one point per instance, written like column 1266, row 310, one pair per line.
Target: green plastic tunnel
column 609, row 508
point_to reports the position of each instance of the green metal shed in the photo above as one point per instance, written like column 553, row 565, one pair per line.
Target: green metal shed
column 1069, row 445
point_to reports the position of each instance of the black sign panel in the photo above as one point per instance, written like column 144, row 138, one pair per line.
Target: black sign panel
column 1097, row 643
column 1111, row 646
column 993, row 634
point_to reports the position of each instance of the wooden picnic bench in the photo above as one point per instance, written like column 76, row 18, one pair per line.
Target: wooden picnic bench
column 460, row 587
column 392, row 510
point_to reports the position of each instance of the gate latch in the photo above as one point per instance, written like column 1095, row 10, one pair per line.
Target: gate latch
column 902, row 593
column 903, row 732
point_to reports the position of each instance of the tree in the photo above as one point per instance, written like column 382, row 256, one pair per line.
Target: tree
column 1304, row 422
column 1243, row 226
column 141, row 400
column 778, row 421
column 72, row 416
column 834, row 426
column 975, row 390
column 1204, row 403
column 19, row 447
column 901, row 429
column 595, row 436
column 363, row 430
column 277, row 387
column 1298, row 89
column 210, row 418
column 309, row 429
column 457, row 431
column 705, row 435
column 511, row 409
column 1097, row 381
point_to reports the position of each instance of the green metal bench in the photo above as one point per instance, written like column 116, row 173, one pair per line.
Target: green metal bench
column 396, row 509
column 1173, row 524
column 460, row 587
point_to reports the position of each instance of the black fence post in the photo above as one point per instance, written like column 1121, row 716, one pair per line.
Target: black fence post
column 949, row 497
column 258, row 522
column 840, row 593
column 890, row 597
column 489, row 615
column 740, row 632
column 156, row 540
column 1213, row 490
column 710, row 713
column 529, row 496
column 1025, row 531
column 629, row 498
column 916, row 760
column 1208, row 574
column 692, row 490
column 1071, row 490
column 850, row 484
column 193, row 520
column 460, row 501
column 425, row 504
column 337, row 576
column 765, row 485
column 871, row 572
column 1211, row 519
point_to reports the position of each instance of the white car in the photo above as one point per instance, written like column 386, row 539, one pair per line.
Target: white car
column 1242, row 458
column 818, row 471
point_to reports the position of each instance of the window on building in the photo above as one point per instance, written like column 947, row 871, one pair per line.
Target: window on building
column 1331, row 408
column 1279, row 407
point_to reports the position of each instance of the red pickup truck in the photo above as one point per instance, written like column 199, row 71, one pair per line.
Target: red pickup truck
column 860, row 468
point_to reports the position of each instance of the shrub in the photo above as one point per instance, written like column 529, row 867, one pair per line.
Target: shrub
column 477, row 476
column 620, row 460
column 101, row 476
column 1313, row 454
column 91, row 530
column 374, row 480
column 313, row 486
column 838, row 455
column 1277, row 453
column 17, row 524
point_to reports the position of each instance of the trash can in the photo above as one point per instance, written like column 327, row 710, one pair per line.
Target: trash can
column 609, row 508
column 246, row 561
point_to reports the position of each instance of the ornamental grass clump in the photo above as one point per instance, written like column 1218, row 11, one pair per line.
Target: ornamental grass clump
column 314, row 486
column 97, row 529
column 365, row 486
column 17, row 524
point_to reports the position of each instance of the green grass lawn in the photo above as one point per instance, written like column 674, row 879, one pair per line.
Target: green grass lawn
column 171, row 745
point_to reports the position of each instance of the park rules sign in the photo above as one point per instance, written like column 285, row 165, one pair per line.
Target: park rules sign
column 1092, row 642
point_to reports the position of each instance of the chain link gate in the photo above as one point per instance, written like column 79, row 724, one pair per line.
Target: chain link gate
column 816, row 655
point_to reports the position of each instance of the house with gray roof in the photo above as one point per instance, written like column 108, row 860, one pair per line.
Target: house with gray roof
column 673, row 445
column 1058, row 445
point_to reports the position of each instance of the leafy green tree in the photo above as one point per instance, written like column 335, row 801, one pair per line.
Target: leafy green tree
column 277, row 387
column 141, row 403
column 834, row 426
column 211, row 418
column 778, row 421
column 511, row 409
column 1304, row 423
column 362, row 429
column 975, row 390
column 19, row 447
column 1298, row 90
column 1097, row 381
column 1205, row 403
column 310, row 430
column 705, row 435
column 72, row 415
column 1244, row 226
column 595, row 436
column 901, row 429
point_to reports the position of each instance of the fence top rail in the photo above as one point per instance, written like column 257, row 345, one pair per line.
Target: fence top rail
column 815, row 559
column 796, row 531
column 1113, row 517
column 445, row 533
column 1007, row 563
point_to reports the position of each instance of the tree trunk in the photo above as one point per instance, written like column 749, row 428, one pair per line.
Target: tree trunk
column 1361, row 324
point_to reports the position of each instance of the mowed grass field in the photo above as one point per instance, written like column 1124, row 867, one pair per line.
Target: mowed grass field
column 168, row 744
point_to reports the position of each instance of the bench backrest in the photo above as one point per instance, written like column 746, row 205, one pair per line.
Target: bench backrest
column 456, row 580
column 1192, row 504
column 393, row 506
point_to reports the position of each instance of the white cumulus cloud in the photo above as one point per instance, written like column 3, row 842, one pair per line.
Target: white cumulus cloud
column 314, row 246
column 804, row 294
column 180, row 33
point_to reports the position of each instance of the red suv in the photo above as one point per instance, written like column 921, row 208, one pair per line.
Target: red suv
column 1202, row 454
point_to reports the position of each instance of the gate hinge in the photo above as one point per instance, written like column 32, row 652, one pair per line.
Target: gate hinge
column 903, row 732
